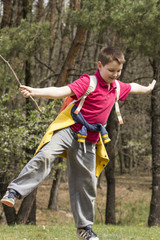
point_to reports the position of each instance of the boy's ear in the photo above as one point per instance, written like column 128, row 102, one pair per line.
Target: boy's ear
column 99, row 65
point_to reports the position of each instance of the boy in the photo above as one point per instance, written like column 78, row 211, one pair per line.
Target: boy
column 81, row 162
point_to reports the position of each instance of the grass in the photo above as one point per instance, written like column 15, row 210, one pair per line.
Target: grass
column 133, row 194
column 105, row 232
column 133, row 213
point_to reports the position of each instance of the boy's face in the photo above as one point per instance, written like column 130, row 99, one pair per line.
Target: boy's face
column 110, row 71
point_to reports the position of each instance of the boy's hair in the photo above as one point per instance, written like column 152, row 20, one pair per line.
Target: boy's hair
column 110, row 54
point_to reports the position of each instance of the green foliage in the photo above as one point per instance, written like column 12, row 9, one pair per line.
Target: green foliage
column 24, row 39
column 92, row 15
column 7, row 81
column 19, row 134
column 138, row 23
column 18, row 44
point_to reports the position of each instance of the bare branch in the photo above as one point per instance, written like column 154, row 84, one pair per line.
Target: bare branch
column 19, row 83
column 11, row 69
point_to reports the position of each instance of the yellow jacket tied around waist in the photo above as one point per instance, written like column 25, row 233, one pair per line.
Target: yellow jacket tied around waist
column 63, row 120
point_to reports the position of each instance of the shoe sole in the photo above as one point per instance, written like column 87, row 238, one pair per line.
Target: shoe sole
column 7, row 203
column 79, row 236
column 83, row 238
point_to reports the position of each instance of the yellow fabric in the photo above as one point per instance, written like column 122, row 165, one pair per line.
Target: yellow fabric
column 63, row 120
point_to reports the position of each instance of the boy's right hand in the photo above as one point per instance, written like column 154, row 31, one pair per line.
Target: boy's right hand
column 26, row 91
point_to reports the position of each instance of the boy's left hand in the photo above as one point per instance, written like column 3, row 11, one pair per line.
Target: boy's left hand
column 140, row 89
column 151, row 86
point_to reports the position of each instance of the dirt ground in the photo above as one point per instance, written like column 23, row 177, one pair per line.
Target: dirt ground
column 129, row 188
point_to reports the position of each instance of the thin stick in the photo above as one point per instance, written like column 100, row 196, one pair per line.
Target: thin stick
column 20, row 82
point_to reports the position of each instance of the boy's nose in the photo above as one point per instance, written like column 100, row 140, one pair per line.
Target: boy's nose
column 114, row 74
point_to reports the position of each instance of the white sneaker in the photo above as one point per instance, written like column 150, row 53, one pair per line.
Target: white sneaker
column 86, row 234
column 9, row 198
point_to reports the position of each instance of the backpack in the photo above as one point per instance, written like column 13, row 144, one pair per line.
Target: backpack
column 92, row 86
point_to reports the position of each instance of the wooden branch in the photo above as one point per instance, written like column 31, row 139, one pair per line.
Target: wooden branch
column 19, row 83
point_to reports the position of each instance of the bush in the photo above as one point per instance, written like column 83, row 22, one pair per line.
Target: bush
column 20, row 136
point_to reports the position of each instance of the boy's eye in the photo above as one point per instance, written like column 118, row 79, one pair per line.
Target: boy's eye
column 114, row 70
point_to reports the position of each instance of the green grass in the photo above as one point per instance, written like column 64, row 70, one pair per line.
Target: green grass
column 132, row 213
column 105, row 232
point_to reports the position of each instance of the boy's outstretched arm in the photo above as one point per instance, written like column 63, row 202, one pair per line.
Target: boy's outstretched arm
column 49, row 92
column 139, row 89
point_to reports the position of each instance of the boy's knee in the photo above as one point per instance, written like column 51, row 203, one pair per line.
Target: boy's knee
column 45, row 156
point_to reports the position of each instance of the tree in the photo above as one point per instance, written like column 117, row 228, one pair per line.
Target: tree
column 39, row 10
column 76, row 44
column 110, row 217
column 146, row 26
column 6, row 18
column 154, row 216
column 53, row 200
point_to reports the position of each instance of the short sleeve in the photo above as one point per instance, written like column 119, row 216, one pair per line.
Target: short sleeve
column 80, row 86
column 125, row 89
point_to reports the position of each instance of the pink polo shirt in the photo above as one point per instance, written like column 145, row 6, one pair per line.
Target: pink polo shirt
column 98, row 104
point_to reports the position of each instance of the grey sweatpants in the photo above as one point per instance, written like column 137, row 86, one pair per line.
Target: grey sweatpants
column 81, row 173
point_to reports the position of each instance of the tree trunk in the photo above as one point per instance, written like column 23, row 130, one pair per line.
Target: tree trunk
column 52, row 16
column 6, row 18
column 53, row 201
column 52, row 6
column 19, row 13
column 110, row 217
column 10, row 214
column 77, row 42
column 27, row 9
column 26, row 210
column 32, row 215
column 40, row 9
column 154, row 216
column 121, row 157
column 100, row 180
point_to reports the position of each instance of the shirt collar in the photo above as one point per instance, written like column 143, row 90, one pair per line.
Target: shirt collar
column 102, row 82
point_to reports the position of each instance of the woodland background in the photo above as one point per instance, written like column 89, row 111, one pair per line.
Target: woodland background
column 52, row 43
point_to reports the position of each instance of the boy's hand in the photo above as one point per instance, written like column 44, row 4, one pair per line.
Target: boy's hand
column 26, row 91
column 139, row 89
column 151, row 86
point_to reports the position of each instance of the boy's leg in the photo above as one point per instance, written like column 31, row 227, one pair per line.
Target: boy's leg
column 38, row 168
column 82, row 183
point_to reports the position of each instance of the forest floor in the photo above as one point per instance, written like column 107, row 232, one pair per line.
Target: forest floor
column 133, row 195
